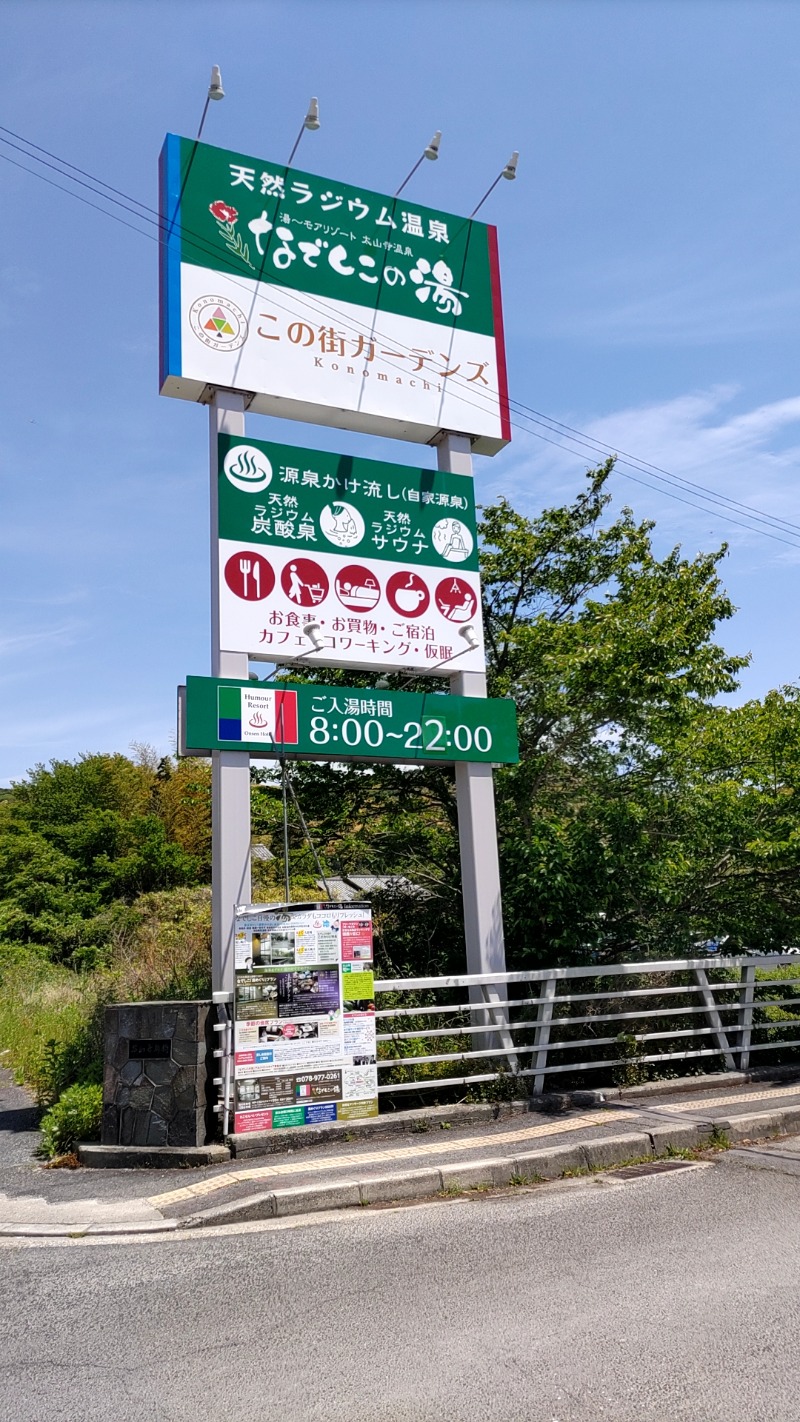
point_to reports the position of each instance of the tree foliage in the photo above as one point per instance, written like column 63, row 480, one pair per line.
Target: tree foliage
column 645, row 812
column 77, row 839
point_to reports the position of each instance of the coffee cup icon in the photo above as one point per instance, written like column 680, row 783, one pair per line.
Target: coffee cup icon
column 408, row 594
column 409, row 599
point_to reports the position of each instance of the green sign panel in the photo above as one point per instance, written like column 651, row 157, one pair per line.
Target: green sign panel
column 311, row 501
column 346, row 723
column 327, row 302
column 260, row 220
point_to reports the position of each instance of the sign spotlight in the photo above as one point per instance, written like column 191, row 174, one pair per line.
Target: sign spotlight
column 431, row 152
column 310, row 122
column 509, row 172
column 215, row 91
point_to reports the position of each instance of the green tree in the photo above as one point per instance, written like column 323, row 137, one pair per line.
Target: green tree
column 75, row 838
column 610, row 654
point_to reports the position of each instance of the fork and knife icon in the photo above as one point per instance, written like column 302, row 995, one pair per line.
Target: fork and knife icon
column 249, row 568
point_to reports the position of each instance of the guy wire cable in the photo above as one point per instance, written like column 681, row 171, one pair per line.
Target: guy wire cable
column 321, row 309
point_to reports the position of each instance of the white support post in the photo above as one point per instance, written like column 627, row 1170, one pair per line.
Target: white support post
column 541, row 1035
column 477, row 826
column 230, row 770
column 714, row 1019
column 746, row 997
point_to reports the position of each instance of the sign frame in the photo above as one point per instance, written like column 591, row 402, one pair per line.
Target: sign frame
column 434, row 729
column 381, row 559
column 405, row 362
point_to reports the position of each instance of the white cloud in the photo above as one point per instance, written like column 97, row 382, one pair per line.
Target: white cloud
column 20, row 643
column 752, row 456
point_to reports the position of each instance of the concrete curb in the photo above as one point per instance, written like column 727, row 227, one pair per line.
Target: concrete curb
column 411, row 1122
column 555, row 1101
column 86, row 1231
column 426, row 1119
column 118, row 1157
column 551, row 1163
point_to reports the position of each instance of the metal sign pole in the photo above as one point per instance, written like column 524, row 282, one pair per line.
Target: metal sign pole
column 230, row 770
column 477, row 826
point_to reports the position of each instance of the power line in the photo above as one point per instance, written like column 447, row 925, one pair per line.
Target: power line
column 665, row 479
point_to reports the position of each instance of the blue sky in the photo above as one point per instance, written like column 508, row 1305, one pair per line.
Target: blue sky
column 651, row 279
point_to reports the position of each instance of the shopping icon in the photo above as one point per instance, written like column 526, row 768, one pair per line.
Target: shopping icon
column 304, row 582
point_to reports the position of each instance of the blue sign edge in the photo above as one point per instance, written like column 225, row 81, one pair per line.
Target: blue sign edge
column 169, row 259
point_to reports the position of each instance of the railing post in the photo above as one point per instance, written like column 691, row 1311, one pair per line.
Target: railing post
column 498, row 1016
column 714, row 1019
column 541, row 1036
column 746, row 994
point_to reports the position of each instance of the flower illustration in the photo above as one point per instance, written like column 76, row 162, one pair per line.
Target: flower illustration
column 223, row 212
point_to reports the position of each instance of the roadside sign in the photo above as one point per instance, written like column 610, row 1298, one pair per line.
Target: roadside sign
column 304, row 1016
column 345, row 723
column 381, row 558
column 328, row 303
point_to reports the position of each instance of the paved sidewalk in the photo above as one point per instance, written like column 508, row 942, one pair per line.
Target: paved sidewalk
column 447, row 1156
column 34, row 1200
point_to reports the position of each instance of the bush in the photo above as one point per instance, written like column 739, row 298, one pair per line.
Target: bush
column 161, row 947
column 76, row 1116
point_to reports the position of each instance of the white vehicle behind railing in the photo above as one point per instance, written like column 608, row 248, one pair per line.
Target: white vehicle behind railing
column 525, row 1024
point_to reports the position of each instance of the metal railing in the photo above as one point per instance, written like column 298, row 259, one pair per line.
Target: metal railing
column 553, row 1021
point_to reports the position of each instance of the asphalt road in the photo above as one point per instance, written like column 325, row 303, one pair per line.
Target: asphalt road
column 669, row 1298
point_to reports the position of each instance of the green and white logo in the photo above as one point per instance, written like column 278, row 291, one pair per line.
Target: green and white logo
column 247, row 468
column 452, row 539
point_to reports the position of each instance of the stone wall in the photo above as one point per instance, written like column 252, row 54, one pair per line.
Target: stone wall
column 157, row 1078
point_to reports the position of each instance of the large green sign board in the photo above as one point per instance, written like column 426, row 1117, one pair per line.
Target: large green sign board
column 346, row 723
column 284, row 496
column 328, row 302
column 382, row 558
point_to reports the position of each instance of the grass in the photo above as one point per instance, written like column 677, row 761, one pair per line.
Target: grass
column 49, row 1027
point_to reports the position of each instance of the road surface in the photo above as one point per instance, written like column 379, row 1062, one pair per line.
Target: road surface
column 669, row 1297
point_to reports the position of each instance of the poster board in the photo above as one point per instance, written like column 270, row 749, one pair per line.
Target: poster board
column 304, row 1016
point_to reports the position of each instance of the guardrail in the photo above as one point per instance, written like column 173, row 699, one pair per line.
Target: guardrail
column 552, row 1021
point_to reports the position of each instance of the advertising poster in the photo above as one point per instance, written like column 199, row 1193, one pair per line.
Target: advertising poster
column 328, row 303
column 304, row 1016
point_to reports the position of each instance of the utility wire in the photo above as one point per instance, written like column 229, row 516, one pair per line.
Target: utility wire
column 665, row 479
column 548, row 421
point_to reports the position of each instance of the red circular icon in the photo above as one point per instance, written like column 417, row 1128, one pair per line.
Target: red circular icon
column 408, row 594
column 357, row 588
column 249, row 576
column 304, row 582
column 456, row 600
